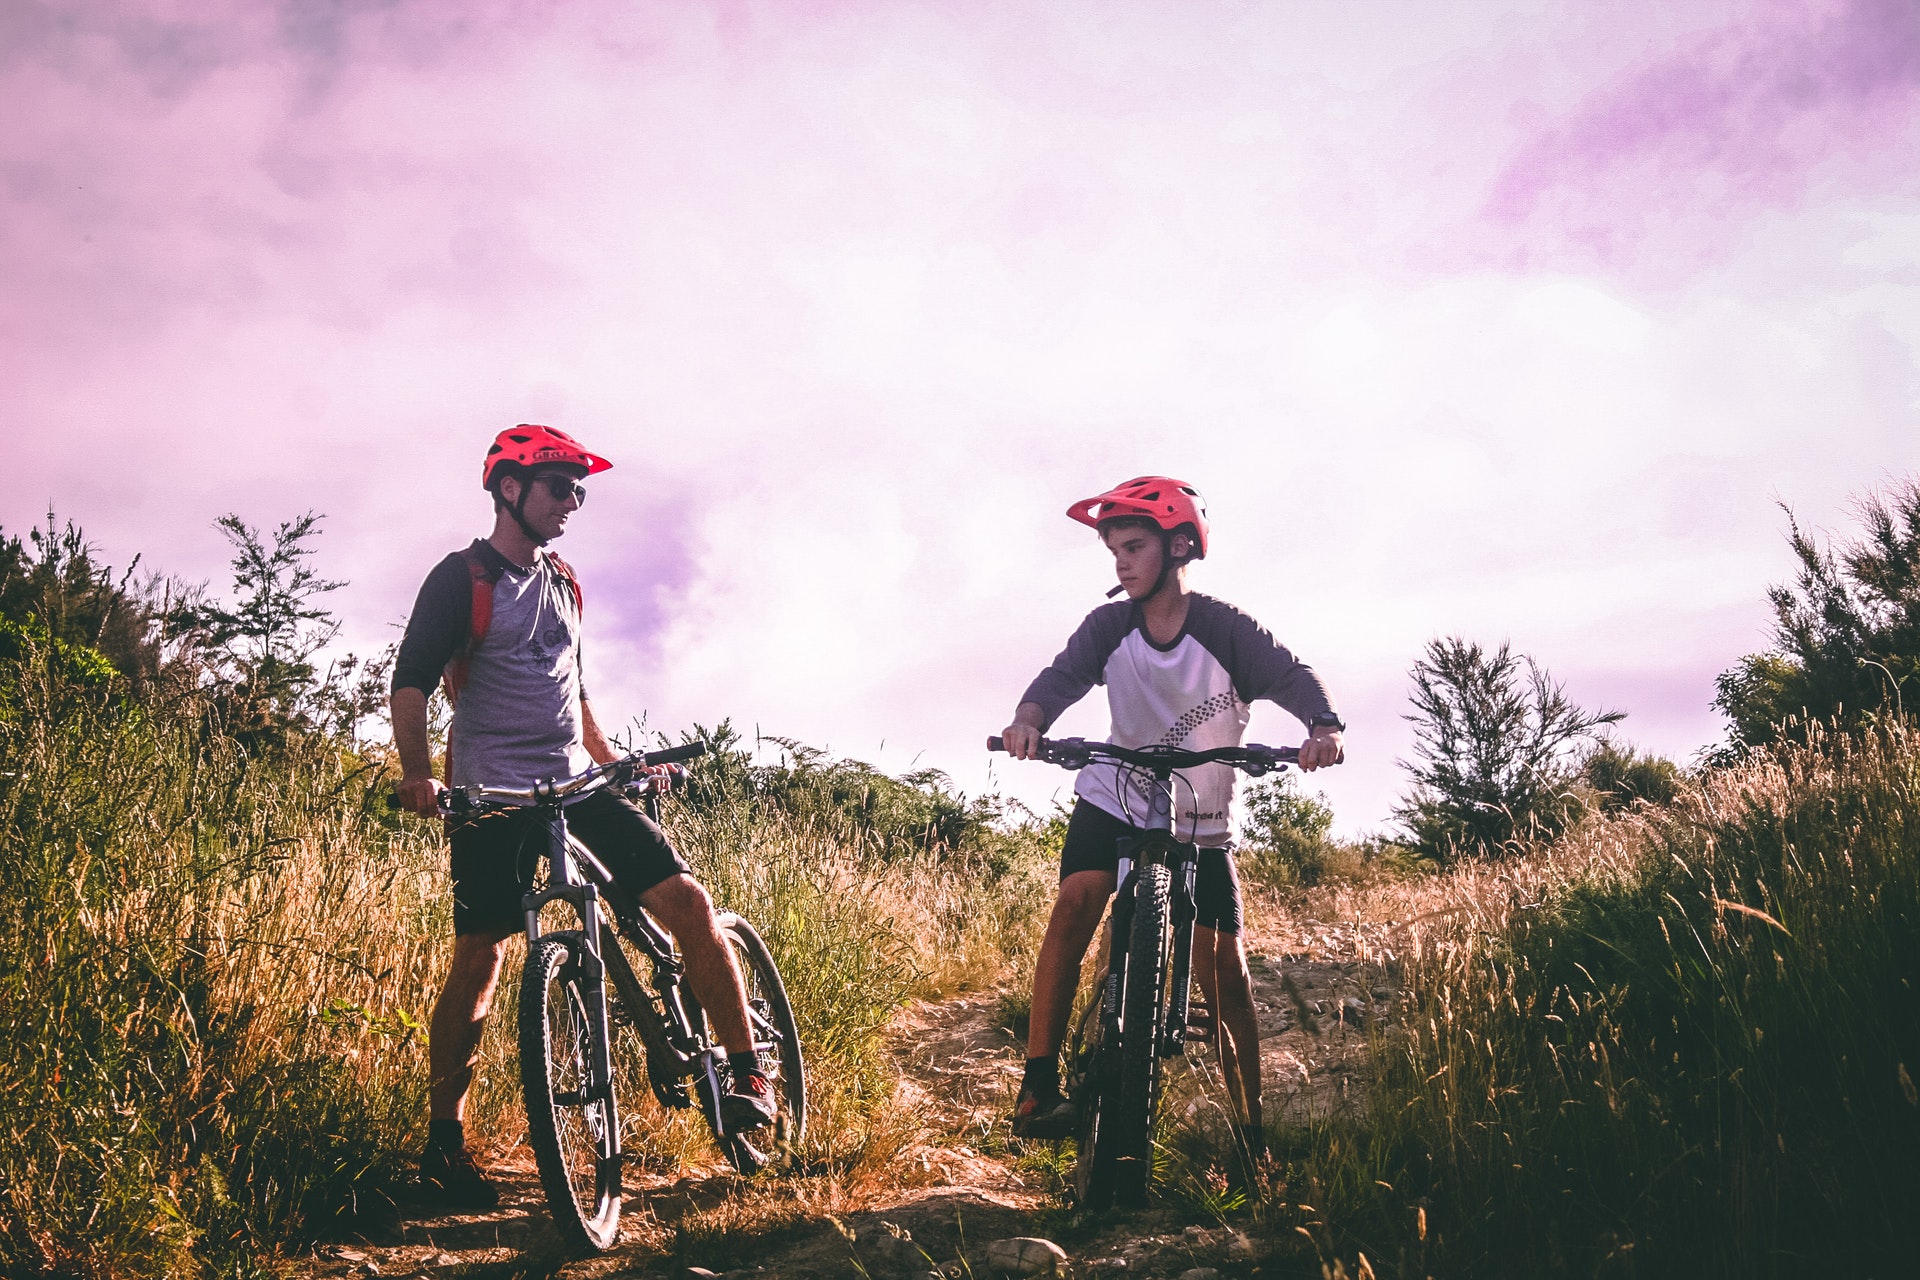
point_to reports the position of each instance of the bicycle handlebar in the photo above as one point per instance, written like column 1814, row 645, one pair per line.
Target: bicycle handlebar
column 1077, row 753
column 454, row 799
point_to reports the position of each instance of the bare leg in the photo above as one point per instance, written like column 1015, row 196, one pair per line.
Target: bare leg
column 459, row 1015
column 1076, row 914
column 681, row 904
column 1220, row 960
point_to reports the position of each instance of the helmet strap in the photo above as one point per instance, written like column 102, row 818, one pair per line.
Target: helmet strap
column 1167, row 565
column 517, row 509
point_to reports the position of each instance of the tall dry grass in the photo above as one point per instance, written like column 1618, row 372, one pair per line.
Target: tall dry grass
column 216, row 966
column 1680, row 1041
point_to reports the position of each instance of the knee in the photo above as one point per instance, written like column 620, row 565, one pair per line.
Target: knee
column 477, row 957
column 1079, row 905
column 680, row 902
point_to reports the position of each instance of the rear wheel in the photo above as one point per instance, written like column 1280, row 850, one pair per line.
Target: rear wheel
column 1143, row 1007
column 570, row 1129
column 1088, row 1085
column 777, row 1044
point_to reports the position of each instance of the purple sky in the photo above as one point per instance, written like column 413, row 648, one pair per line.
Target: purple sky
column 1508, row 320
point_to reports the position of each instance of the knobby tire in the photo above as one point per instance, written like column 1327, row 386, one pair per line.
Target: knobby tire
column 1093, row 1157
column 565, row 1129
column 1129, row 1124
column 768, row 1011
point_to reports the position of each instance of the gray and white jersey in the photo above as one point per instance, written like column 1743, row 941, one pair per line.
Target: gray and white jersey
column 517, row 721
column 1193, row 693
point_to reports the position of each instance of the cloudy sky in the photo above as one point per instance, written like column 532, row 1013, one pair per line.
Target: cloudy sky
column 1509, row 320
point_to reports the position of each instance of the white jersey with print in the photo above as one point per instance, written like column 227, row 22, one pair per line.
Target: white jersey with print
column 1193, row 693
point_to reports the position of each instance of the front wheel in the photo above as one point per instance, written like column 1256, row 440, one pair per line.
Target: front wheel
column 776, row 1042
column 1143, row 1007
column 570, row 1126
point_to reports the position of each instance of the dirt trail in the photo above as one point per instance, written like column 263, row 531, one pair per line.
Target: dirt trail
column 959, row 1067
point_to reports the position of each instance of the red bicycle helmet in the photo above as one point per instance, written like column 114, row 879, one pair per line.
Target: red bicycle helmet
column 1167, row 502
column 529, row 445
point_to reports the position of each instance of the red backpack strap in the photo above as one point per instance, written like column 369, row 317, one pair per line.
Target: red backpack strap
column 454, row 678
column 483, row 577
column 568, row 576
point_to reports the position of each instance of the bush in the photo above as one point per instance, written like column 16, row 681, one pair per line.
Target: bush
column 1492, row 735
column 1846, row 632
column 1284, row 833
column 1621, row 776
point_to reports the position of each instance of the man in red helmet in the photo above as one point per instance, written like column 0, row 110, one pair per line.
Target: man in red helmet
column 499, row 622
column 1180, row 670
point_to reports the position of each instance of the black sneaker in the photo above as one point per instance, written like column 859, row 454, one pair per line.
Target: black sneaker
column 749, row 1104
column 1044, row 1114
column 450, row 1177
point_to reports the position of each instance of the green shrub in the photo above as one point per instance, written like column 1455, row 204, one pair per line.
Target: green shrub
column 1681, row 1043
column 1492, row 736
column 1284, row 833
column 1846, row 631
column 1620, row 775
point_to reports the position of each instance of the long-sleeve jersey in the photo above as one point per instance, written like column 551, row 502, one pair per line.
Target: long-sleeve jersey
column 1193, row 693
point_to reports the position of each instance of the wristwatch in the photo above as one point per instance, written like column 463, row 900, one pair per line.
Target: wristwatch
column 1327, row 720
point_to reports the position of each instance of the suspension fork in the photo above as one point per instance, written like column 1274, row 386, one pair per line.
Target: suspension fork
column 584, row 896
column 1119, row 934
column 1173, row 1035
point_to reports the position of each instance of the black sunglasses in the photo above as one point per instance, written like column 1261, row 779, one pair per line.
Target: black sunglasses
column 562, row 487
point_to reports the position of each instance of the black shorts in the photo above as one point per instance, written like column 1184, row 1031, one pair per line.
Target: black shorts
column 496, row 854
column 1091, row 845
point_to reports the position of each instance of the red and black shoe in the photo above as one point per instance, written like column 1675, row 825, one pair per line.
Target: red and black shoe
column 1044, row 1113
column 749, row 1103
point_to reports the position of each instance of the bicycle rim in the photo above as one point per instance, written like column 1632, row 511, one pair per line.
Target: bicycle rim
column 777, row 1043
column 569, row 1132
column 1129, row 1127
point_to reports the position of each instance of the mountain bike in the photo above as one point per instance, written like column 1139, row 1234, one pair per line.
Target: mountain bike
column 583, row 1004
column 1141, row 1015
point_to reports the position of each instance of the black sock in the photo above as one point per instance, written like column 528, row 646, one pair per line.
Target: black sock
column 743, row 1064
column 448, row 1135
column 1043, row 1074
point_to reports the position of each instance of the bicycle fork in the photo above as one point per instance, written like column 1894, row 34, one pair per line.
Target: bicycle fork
column 591, row 971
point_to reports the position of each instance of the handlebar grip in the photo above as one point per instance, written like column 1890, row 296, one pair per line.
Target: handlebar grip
column 995, row 744
column 674, row 755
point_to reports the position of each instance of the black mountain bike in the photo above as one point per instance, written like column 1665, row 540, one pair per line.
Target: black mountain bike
column 1141, row 1015
column 583, row 1006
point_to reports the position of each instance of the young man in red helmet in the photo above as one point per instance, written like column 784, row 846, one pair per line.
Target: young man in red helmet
column 500, row 622
column 1180, row 670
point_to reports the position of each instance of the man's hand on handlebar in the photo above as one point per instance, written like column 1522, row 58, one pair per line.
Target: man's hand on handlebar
column 658, row 778
column 420, row 795
column 1323, row 748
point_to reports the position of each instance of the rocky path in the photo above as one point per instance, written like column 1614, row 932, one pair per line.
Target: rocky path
column 956, row 1187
